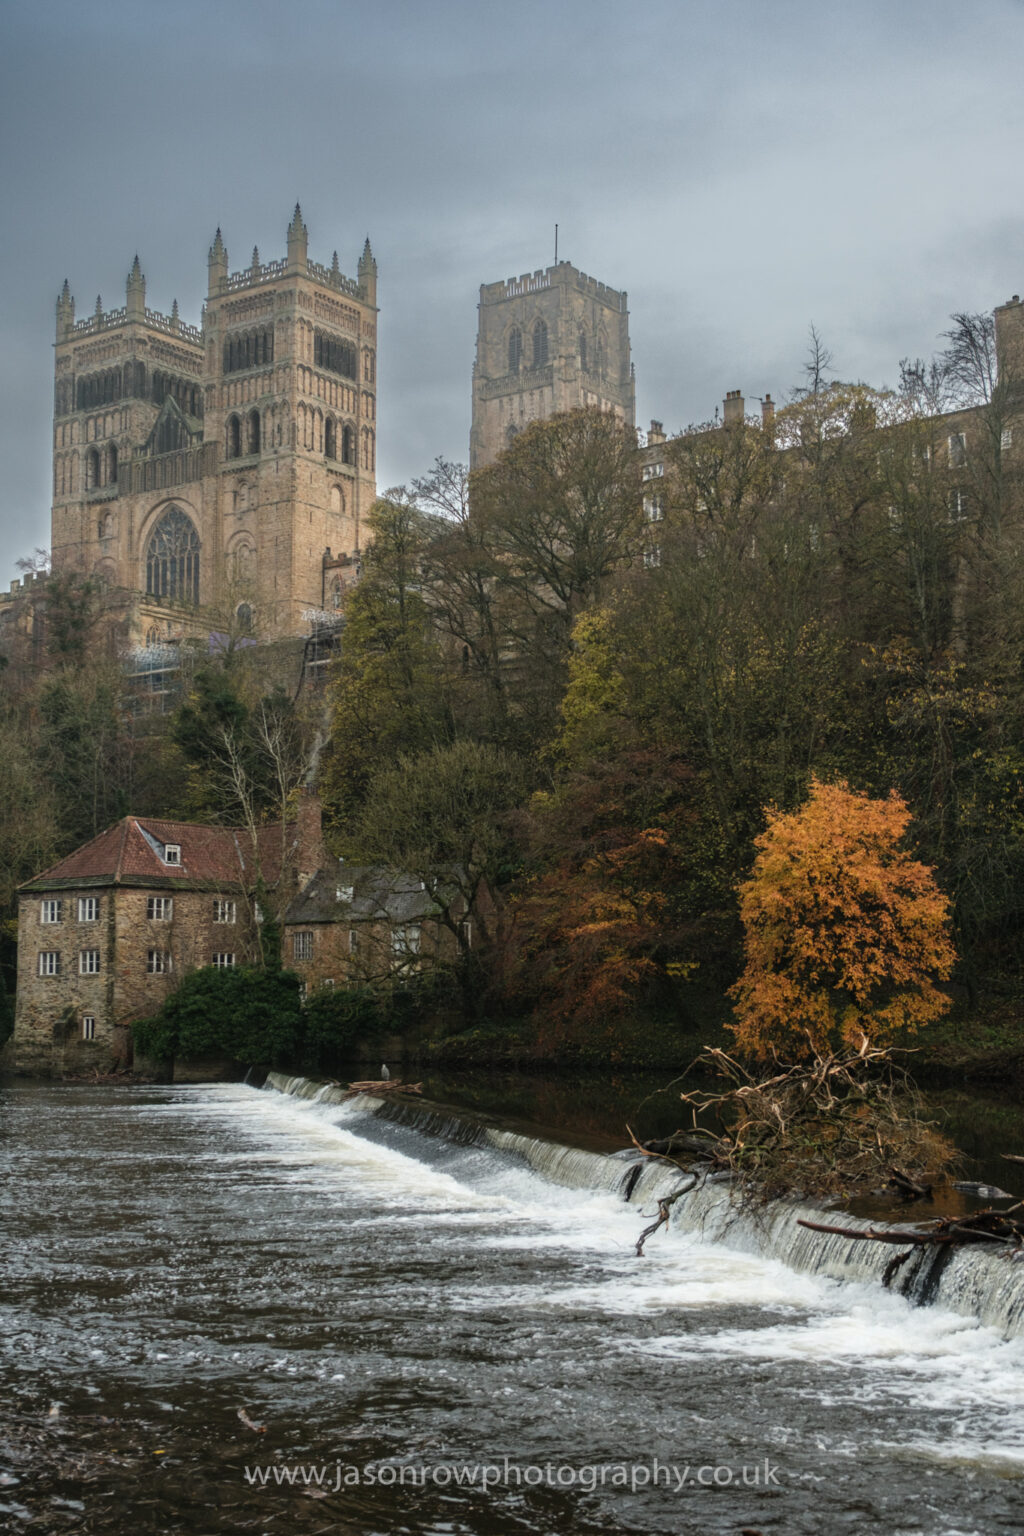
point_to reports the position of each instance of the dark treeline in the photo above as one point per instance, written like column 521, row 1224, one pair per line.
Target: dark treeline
column 583, row 697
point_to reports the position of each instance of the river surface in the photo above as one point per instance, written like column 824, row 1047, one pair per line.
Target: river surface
column 391, row 1312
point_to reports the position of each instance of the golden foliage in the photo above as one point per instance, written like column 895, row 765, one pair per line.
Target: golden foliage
column 845, row 933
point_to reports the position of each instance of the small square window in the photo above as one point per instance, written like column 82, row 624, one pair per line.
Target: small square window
column 49, row 962
column 158, row 962
column 88, row 1026
column 50, row 911
column 160, row 909
column 88, row 909
column 172, row 853
column 223, row 911
column 224, row 962
column 88, row 962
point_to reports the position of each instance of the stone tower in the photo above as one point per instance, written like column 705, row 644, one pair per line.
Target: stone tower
column 552, row 342
column 204, row 473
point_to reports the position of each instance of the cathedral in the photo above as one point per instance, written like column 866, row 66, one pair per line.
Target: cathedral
column 216, row 478
column 547, row 342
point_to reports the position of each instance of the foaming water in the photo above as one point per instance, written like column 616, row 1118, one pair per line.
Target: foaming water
column 384, row 1293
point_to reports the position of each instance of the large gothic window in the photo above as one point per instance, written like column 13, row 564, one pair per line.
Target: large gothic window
column 172, row 558
column 540, row 344
column 515, row 350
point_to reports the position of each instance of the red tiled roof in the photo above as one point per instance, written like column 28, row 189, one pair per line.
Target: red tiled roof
column 215, row 855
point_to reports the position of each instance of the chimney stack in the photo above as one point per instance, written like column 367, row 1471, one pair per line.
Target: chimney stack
column 733, row 408
column 656, row 434
column 767, row 411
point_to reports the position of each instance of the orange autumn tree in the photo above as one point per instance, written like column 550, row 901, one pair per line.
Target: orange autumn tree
column 845, row 933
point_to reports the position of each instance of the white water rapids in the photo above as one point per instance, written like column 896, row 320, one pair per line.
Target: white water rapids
column 379, row 1294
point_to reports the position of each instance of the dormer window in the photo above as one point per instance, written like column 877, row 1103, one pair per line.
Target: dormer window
column 172, row 853
column 344, row 892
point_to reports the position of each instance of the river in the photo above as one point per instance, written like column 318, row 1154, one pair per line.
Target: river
column 225, row 1309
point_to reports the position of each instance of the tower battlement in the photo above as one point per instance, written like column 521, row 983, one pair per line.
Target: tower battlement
column 204, row 469
column 549, row 341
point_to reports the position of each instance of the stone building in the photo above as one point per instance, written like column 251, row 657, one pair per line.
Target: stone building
column 554, row 341
column 205, row 474
column 107, row 933
column 353, row 924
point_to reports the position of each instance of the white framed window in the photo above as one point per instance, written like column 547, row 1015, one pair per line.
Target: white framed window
column 466, row 929
column 344, row 892
column 653, row 471
column 160, row 909
column 49, row 962
column 88, row 1026
column 652, row 557
column 302, row 946
column 223, row 911
column 1006, row 438
column 88, row 909
column 158, row 962
column 957, row 450
column 88, row 962
column 957, row 506
column 50, row 910
column 654, row 508
column 405, row 940
column 303, row 991
column 224, row 961
column 172, row 853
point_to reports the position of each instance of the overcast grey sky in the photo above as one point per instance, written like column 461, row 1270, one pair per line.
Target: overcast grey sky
column 742, row 168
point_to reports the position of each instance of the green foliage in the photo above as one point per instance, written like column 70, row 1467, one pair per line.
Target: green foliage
column 338, row 1019
column 252, row 1016
column 388, row 687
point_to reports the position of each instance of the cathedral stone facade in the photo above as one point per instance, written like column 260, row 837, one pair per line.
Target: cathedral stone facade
column 554, row 341
column 217, row 477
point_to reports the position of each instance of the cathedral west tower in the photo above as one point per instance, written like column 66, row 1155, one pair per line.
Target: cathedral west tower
column 203, row 472
column 554, row 341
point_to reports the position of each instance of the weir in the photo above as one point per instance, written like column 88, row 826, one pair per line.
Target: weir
column 987, row 1287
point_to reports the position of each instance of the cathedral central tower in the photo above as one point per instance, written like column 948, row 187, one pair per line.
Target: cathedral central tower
column 554, row 341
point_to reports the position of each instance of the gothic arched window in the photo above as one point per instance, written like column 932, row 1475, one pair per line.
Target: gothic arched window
column 92, row 469
column 254, row 431
column 330, row 449
column 348, row 455
column 540, row 344
column 234, row 438
column 515, row 350
column 172, row 558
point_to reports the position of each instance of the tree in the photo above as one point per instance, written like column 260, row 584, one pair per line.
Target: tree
column 388, row 694
column 444, row 816
column 251, row 1015
column 845, row 933
column 562, row 504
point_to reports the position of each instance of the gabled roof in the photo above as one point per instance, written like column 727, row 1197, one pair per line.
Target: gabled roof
column 132, row 853
column 352, row 893
column 171, row 410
